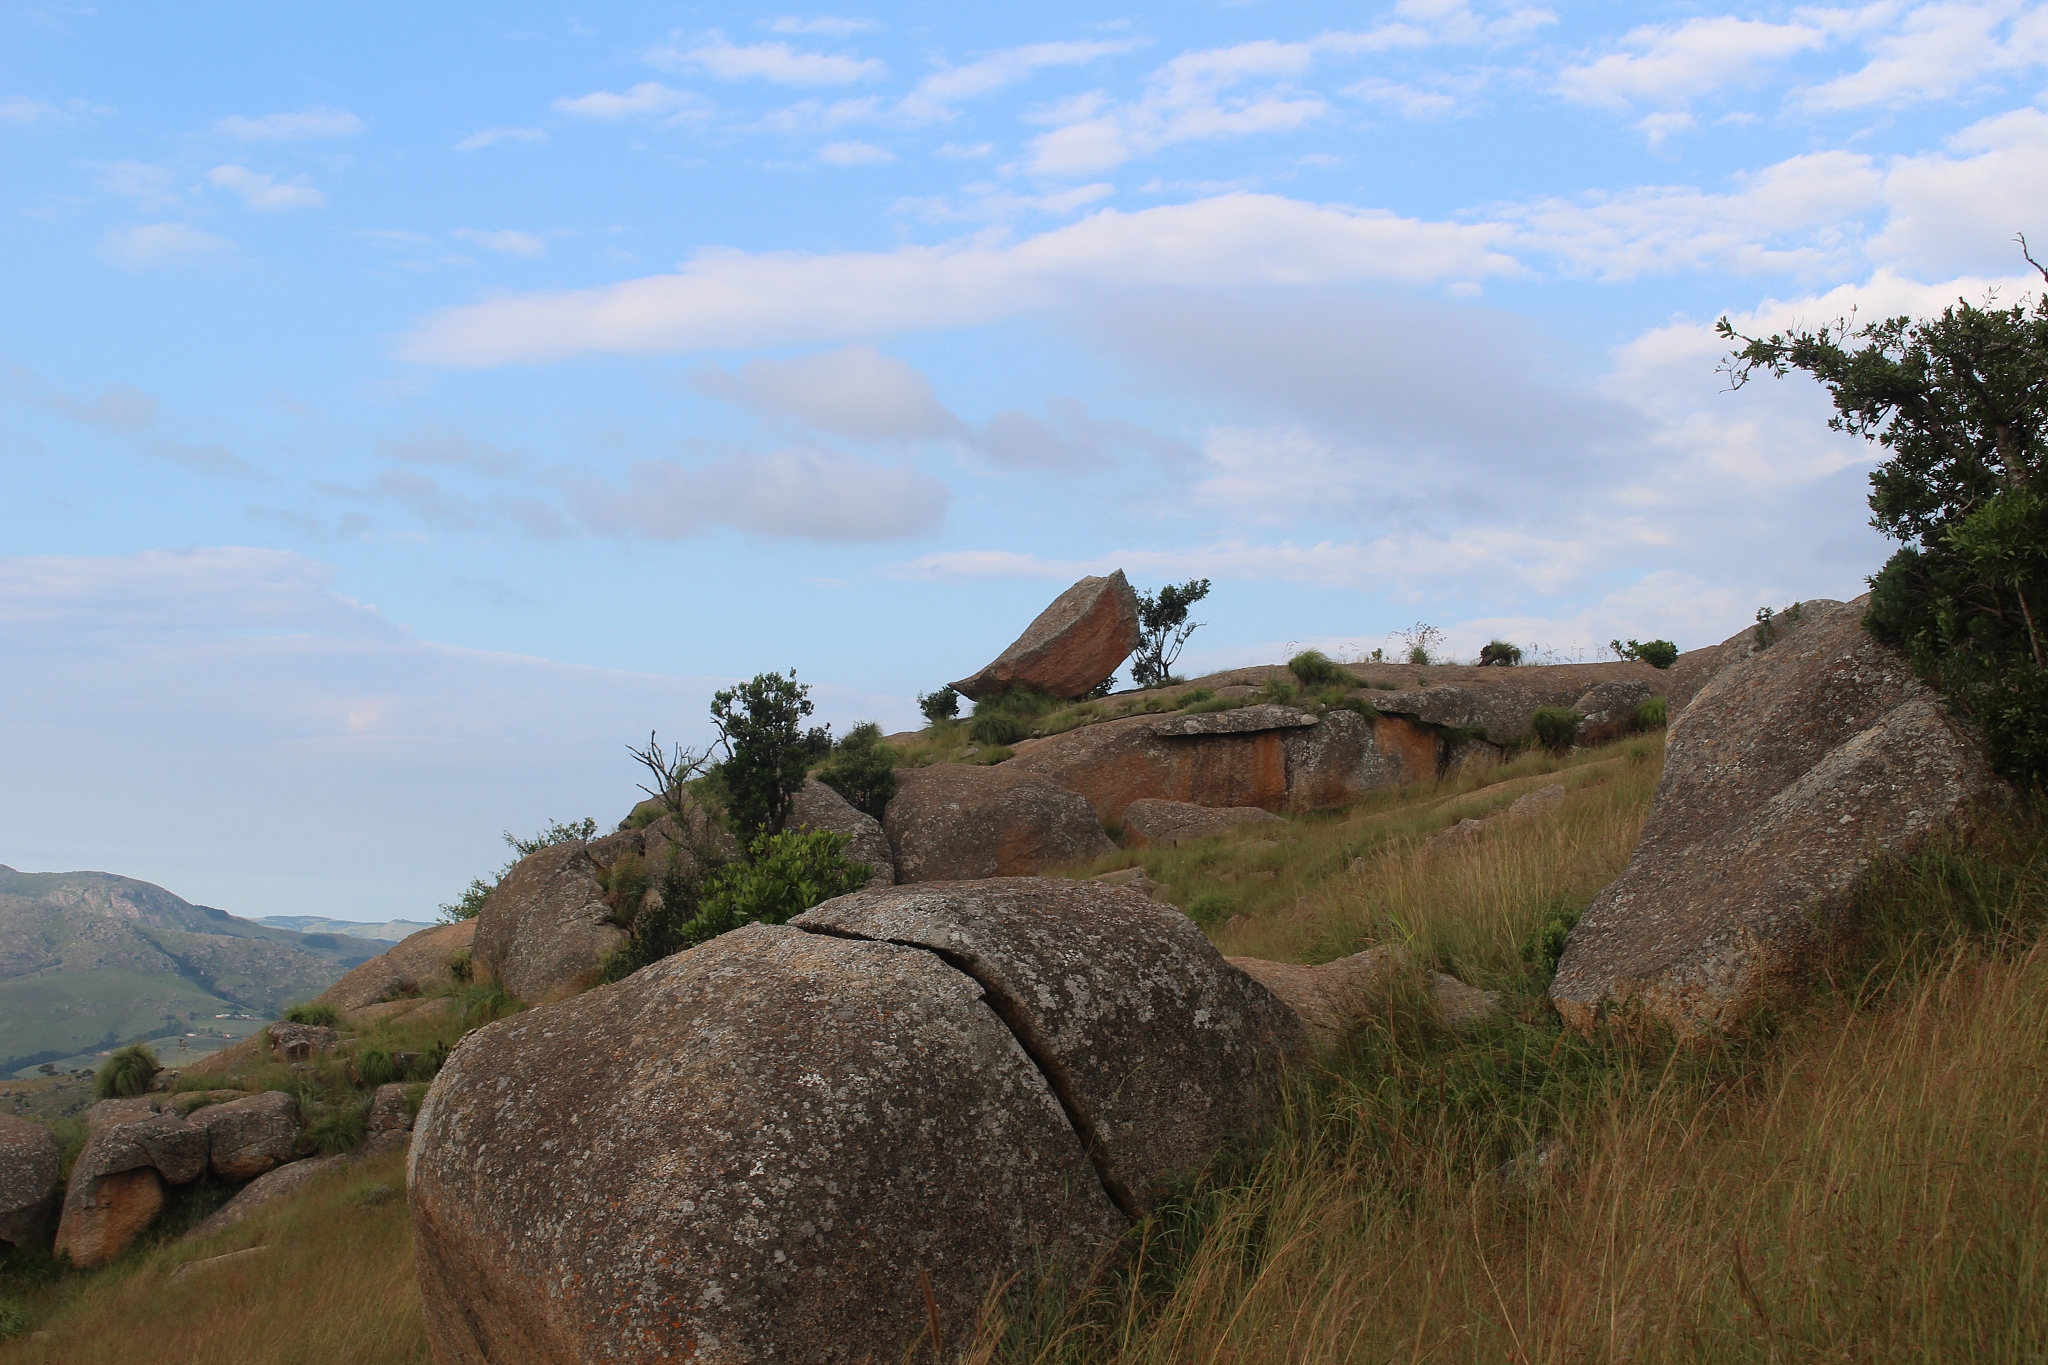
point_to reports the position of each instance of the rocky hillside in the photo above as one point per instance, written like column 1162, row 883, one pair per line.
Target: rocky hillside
column 89, row 960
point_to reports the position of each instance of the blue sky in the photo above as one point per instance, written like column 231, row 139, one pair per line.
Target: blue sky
column 403, row 408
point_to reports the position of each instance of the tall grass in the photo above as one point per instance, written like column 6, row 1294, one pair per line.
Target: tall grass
column 1871, row 1183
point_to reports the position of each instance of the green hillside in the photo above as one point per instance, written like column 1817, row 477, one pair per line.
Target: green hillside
column 90, row 960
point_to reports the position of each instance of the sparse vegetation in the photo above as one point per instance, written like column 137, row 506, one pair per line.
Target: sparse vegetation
column 337, row 1126
column 1164, row 629
column 1500, row 654
column 1420, row 643
column 942, row 705
column 1651, row 713
column 1315, row 669
column 1655, row 653
column 1555, row 726
column 471, row 902
column 376, row 1067
column 313, row 1012
column 128, row 1071
column 672, row 770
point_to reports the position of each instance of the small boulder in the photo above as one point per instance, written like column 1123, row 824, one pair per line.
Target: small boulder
column 300, row 1042
column 417, row 963
column 249, row 1136
column 1159, row 1049
column 951, row 822
column 28, row 1181
column 1464, row 832
column 545, row 929
column 388, row 1112
column 1164, row 823
column 283, row 1183
column 1789, row 773
column 817, row 806
column 1071, row 647
column 116, row 1187
column 1328, row 999
column 779, row 1145
column 1608, row 709
column 1537, row 804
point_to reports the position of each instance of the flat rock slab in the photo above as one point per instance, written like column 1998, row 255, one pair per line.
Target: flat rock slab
column 1159, row 1049
column 1164, row 823
column 1070, row 647
column 1241, row 720
column 285, row 1182
column 770, row 1147
column 1792, row 770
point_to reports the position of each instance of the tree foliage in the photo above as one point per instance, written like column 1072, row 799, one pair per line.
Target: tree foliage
column 1960, row 403
column 1164, row 628
column 1655, row 653
column 862, row 769
column 768, row 751
column 941, row 705
column 1500, row 654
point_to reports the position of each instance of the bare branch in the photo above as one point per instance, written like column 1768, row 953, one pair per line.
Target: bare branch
column 2022, row 238
column 672, row 771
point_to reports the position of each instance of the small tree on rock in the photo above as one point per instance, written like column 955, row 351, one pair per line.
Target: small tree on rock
column 768, row 751
column 862, row 769
column 1165, row 628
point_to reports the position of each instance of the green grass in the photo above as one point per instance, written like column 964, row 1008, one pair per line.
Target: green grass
column 73, row 1013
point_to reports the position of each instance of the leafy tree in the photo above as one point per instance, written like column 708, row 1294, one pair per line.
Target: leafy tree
column 768, row 752
column 943, row 704
column 862, row 769
column 1164, row 628
column 1655, row 653
column 470, row 903
column 1960, row 402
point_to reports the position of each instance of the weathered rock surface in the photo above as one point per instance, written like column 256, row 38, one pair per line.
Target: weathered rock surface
column 1242, row 720
column 1538, row 803
column 1158, row 1048
column 291, row 1042
column 116, row 1187
column 28, row 1181
column 1073, row 644
column 951, row 822
column 1787, row 775
column 249, row 1136
column 817, row 806
column 415, row 965
column 546, row 928
column 1330, row 999
column 1165, row 823
column 771, row 1147
column 1608, row 710
column 1697, row 667
column 387, row 1110
column 283, row 1183
column 1500, row 708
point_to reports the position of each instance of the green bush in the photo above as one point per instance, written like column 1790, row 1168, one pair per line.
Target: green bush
column 337, row 1128
column 487, row 1004
column 768, row 751
column 461, row 966
column 942, row 705
column 314, row 1012
column 1163, row 628
column 1651, row 713
column 1500, row 654
column 1316, row 669
column 1655, row 653
column 625, row 886
column 1556, row 726
column 13, row 1319
column 1281, row 691
column 375, row 1067
column 862, row 769
column 127, row 1072
column 1545, row 944
column 997, row 728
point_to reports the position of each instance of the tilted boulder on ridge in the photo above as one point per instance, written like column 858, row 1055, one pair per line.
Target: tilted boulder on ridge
column 1158, row 1048
column 952, row 822
column 117, row 1184
column 28, row 1181
column 778, row 1145
column 416, row 964
column 817, row 806
column 1164, row 823
column 1070, row 647
column 1790, row 772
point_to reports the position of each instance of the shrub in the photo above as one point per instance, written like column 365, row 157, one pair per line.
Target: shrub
column 461, row 966
column 1651, row 713
column 625, row 886
column 1545, row 945
column 862, row 769
column 127, row 1072
column 13, row 1319
column 1423, row 642
column 996, row 728
column 1556, row 726
column 313, row 1012
column 1164, row 628
column 1500, row 654
column 1281, row 691
column 337, row 1128
column 942, row 705
column 1211, row 907
column 994, row 754
column 1655, row 653
column 1202, row 708
column 1316, row 669
column 375, row 1067
column 767, row 751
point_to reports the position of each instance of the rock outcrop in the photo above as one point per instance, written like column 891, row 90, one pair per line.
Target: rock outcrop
column 1499, row 708
column 1331, row 998
column 952, row 822
column 1159, row 1050
column 545, row 928
column 247, row 1137
column 1164, row 823
column 28, row 1181
column 415, row 965
column 817, row 806
column 1607, row 711
column 1072, row 645
column 1788, row 774
column 116, row 1187
column 806, row 1137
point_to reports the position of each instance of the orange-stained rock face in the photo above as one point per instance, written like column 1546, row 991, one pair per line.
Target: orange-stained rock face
column 1072, row 645
column 100, row 1221
column 1409, row 745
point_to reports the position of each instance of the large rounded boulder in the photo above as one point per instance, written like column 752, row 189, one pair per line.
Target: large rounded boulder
column 825, row 1140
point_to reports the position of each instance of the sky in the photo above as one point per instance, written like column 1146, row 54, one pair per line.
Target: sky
column 405, row 408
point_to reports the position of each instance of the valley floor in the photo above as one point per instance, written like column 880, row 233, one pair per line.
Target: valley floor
column 1869, row 1181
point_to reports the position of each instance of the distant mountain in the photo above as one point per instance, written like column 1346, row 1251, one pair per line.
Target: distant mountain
column 390, row 931
column 89, row 961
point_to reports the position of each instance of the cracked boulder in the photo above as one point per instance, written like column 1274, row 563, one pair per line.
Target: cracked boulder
column 805, row 1142
column 953, row 821
column 1790, row 772
column 247, row 1137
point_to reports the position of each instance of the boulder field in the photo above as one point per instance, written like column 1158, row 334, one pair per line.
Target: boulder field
column 823, row 1141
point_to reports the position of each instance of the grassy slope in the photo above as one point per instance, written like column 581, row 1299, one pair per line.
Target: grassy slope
column 1869, row 1184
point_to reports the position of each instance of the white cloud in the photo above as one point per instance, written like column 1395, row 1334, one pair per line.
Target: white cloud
column 966, row 151
column 649, row 99
column 505, row 242
column 265, row 192
column 1960, row 212
column 799, row 493
column 985, row 201
column 1939, row 50
column 853, row 391
column 21, row 111
column 1405, row 100
column 432, row 443
column 935, row 95
column 301, row 126
column 1673, row 64
column 485, row 137
column 829, row 25
column 777, row 63
column 854, row 154
column 731, row 298
column 153, row 244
